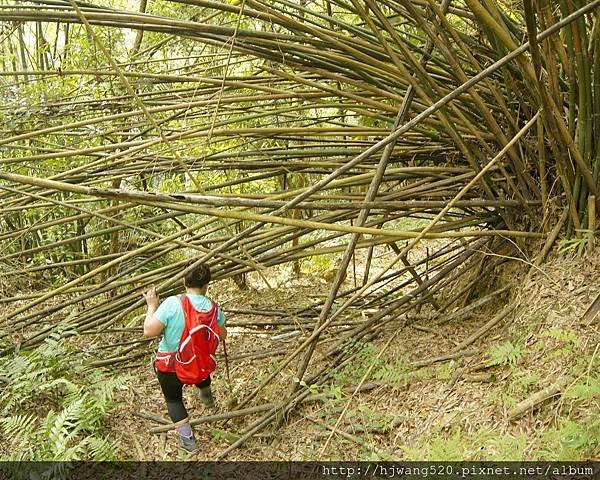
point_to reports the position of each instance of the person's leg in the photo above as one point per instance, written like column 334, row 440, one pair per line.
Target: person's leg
column 204, row 383
column 205, row 393
column 172, row 390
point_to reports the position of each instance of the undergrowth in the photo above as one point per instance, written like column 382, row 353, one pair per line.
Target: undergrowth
column 53, row 407
column 565, row 440
column 533, row 352
column 567, row 427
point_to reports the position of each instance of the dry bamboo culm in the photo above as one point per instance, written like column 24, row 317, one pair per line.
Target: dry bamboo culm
column 262, row 133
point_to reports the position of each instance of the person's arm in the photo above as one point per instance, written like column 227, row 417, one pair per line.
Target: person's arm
column 152, row 325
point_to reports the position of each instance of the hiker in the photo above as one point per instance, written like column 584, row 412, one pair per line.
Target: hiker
column 168, row 318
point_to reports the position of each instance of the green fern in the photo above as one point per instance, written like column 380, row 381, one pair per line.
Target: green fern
column 451, row 448
column 18, row 427
column 395, row 374
column 506, row 354
column 61, row 428
column 585, row 390
column 501, row 447
column 523, row 382
column 52, row 406
column 105, row 389
column 438, row 447
column 101, row 449
column 572, row 440
column 563, row 335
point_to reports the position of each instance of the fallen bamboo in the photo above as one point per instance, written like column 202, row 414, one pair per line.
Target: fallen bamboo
column 262, row 408
column 442, row 358
column 342, row 433
column 465, row 312
column 151, row 417
column 530, row 403
column 320, row 109
column 486, row 327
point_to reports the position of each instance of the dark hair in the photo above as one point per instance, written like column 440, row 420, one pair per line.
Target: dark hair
column 198, row 277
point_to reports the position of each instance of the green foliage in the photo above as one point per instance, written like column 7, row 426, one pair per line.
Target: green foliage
column 504, row 447
column 572, row 440
column 506, row 354
column 505, row 399
column 396, row 374
column 584, row 390
column 53, row 407
column 563, row 335
column 336, row 392
column 444, row 371
column 220, row 435
column 566, row 340
column 448, row 449
column 440, row 447
column 371, row 418
column 577, row 245
column 313, row 389
column 352, row 373
column 523, row 382
column 172, row 184
column 484, row 444
column 371, row 454
column 318, row 264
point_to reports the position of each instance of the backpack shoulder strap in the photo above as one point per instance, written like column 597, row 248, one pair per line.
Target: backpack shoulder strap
column 217, row 308
column 187, row 307
column 180, row 298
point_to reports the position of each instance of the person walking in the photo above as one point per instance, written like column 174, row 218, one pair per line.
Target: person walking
column 168, row 318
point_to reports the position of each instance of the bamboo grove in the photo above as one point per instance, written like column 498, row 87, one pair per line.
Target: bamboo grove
column 256, row 133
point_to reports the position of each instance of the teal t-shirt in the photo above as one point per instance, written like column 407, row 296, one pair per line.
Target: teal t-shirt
column 170, row 314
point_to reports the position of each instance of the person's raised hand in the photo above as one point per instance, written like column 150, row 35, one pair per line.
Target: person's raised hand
column 152, row 298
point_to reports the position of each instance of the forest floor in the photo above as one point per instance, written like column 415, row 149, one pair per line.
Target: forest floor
column 452, row 410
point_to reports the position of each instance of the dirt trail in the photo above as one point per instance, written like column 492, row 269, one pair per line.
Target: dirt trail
column 419, row 412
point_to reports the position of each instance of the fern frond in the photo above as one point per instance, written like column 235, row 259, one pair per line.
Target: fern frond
column 58, row 427
column 19, row 427
column 69, row 429
column 105, row 390
column 101, row 449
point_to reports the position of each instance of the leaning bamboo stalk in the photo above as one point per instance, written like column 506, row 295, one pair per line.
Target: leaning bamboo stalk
column 334, row 316
column 125, row 358
column 297, row 397
column 486, row 327
column 466, row 107
column 109, row 287
column 522, row 175
column 501, row 62
column 465, row 312
column 364, row 213
column 551, row 112
column 422, row 291
column 239, row 201
column 456, row 198
column 552, row 236
column 113, row 285
column 100, row 269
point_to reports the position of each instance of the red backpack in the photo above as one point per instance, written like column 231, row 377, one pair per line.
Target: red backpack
column 194, row 359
